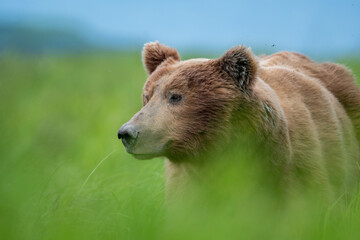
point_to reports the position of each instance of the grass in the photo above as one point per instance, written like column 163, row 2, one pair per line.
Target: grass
column 59, row 119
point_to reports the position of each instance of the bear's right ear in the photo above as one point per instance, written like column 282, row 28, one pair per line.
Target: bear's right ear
column 154, row 54
column 241, row 65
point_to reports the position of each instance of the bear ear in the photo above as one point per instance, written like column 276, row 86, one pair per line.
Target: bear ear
column 241, row 65
column 154, row 54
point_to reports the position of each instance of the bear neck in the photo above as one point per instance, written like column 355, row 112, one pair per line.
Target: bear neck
column 261, row 119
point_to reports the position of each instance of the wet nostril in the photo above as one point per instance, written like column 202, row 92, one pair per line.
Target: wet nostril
column 123, row 135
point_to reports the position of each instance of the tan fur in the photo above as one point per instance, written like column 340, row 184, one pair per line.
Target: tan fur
column 305, row 115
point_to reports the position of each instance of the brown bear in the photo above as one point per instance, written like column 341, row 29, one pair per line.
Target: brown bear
column 305, row 115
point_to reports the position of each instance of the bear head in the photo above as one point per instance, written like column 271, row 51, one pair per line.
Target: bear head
column 189, row 106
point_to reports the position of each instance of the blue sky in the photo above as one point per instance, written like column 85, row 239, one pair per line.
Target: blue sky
column 315, row 27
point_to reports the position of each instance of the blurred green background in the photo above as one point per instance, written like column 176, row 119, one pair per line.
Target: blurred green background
column 71, row 75
column 59, row 119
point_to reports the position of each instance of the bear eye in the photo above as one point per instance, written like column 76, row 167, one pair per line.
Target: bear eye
column 175, row 98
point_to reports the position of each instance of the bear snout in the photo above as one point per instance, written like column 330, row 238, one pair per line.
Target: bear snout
column 128, row 135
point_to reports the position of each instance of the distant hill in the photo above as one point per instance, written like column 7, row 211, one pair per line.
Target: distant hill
column 33, row 39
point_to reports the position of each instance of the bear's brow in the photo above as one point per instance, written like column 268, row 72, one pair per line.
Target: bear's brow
column 153, row 81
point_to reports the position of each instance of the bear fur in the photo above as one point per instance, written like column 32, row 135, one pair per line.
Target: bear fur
column 305, row 115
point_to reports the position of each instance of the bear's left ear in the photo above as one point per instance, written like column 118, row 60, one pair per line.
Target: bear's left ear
column 154, row 54
column 241, row 65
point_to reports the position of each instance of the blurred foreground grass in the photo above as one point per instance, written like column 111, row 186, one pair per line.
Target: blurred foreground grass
column 59, row 119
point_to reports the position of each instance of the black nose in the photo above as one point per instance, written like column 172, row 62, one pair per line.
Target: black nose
column 128, row 135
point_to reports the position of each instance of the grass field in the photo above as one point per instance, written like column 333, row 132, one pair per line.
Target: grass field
column 59, row 119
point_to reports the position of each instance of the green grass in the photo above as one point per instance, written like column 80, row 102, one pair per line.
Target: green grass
column 59, row 119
